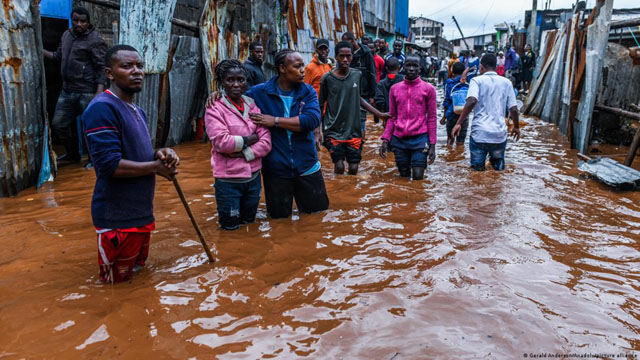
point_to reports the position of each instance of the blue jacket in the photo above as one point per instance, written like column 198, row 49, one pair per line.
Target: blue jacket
column 292, row 153
column 447, row 104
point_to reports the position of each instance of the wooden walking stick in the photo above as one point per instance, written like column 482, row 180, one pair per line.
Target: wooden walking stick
column 193, row 219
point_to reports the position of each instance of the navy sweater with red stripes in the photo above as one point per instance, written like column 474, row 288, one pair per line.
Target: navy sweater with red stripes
column 115, row 130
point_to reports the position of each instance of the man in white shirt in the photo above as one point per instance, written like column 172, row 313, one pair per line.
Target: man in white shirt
column 489, row 96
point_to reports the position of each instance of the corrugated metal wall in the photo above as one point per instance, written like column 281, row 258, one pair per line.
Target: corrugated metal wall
column 146, row 25
column 222, row 35
column 379, row 13
column 309, row 20
column 22, row 114
column 184, row 80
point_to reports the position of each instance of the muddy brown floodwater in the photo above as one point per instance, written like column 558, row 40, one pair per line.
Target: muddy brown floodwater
column 536, row 259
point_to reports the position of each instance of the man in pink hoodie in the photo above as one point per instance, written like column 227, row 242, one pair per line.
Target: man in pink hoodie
column 411, row 131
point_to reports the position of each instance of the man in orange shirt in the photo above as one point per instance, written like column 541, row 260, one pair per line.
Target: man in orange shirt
column 318, row 66
column 313, row 74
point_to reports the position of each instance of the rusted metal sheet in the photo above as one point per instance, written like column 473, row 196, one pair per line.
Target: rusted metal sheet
column 147, row 99
column 220, row 38
column 597, row 37
column 22, row 110
column 328, row 19
column 184, row 78
column 146, row 25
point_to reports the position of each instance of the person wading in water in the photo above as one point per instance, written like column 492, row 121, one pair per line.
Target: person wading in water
column 291, row 113
column 126, row 167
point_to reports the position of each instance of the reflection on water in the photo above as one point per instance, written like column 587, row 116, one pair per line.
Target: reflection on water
column 534, row 259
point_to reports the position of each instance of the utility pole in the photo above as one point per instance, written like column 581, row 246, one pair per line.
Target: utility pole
column 533, row 26
column 458, row 26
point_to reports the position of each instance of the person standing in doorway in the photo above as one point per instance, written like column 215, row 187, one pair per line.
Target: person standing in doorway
column 81, row 55
column 488, row 96
column 363, row 60
column 126, row 167
column 254, row 65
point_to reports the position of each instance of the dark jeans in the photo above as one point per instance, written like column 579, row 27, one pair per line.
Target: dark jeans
column 237, row 202
column 309, row 192
column 407, row 159
column 64, row 123
column 451, row 123
column 479, row 152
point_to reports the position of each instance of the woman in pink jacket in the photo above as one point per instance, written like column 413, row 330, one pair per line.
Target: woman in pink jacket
column 411, row 130
column 238, row 146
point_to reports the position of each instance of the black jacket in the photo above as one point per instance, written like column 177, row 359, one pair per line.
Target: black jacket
column 256, row 76
column 363, row 61
column 382, row 92
column 82, row 61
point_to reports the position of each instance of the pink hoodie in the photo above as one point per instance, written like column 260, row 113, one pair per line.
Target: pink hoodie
column 226, row 126
column 412, row 105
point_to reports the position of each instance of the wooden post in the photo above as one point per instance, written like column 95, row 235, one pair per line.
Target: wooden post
column 533, row 26
column 634, row 148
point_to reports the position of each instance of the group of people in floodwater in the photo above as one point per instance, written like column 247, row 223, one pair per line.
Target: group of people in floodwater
column 269, row 134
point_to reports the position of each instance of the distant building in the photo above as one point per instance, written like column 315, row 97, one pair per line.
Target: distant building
column 425, row 30
column 480, row 43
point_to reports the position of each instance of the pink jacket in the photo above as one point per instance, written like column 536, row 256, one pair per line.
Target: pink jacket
column 225, row 127
column 412, row 105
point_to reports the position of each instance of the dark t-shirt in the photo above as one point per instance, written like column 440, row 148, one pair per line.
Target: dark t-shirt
column 341, row 120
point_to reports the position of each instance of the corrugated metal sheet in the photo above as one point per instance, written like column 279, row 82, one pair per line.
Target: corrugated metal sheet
column 597, row 37
column 147, row 99
column 184, row 77
column 146, row 25
column 612, row 173
column 223, row 41
column 22, row 114
column 265, row 20
column 380, row 13
column 328, row 19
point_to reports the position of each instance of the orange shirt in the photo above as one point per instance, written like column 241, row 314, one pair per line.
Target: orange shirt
column 314, row 71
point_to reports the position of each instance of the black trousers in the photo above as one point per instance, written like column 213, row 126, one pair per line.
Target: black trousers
column 309, row 192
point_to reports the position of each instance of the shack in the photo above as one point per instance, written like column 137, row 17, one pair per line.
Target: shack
column 181, row 41
column 588, row 80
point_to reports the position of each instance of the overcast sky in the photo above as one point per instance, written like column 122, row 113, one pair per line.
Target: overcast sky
column 472, row 14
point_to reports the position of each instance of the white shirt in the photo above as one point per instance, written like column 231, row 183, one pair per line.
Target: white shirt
column 444, row 65
column 495, row 95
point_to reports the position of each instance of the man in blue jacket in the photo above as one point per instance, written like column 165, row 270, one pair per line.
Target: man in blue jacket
column 291, row 112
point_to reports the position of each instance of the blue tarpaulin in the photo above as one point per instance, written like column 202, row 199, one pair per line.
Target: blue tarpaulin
column 59, row 9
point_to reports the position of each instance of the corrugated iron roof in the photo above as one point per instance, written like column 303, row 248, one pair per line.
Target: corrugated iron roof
column 22, row 113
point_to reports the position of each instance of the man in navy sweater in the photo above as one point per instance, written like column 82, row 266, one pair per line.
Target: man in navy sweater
column 126, row 167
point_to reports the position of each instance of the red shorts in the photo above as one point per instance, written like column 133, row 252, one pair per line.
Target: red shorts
column 120, row 250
